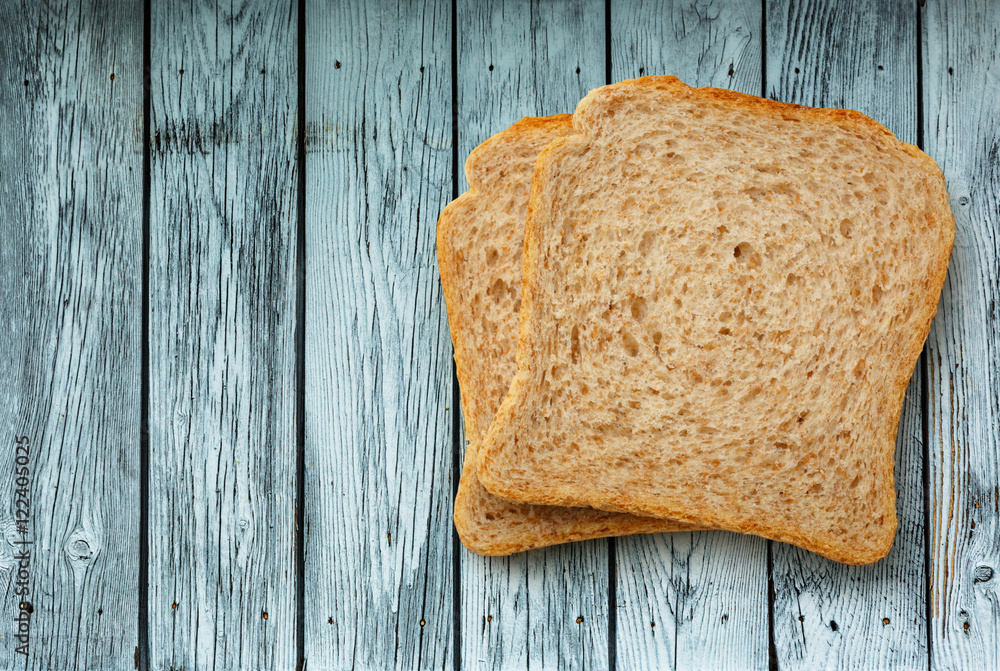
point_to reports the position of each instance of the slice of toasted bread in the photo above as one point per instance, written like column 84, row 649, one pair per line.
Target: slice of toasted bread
column 723, row 301
column 480, row 240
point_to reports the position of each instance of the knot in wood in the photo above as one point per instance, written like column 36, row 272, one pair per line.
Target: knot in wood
column 983, row 574
column 81, row 549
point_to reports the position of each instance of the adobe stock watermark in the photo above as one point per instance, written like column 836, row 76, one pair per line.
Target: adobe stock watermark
column 22, row 542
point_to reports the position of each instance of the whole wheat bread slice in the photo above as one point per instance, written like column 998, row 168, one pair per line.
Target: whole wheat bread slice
column 723, row 301
column 480, row 240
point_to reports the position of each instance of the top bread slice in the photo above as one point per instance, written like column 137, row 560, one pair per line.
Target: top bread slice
column 723, row 301
column 480, row 240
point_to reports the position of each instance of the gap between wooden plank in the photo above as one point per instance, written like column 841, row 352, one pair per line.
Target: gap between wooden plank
column 772, row 650
column 924, row 383
column 300, row 343
column 612, row 542
column 142, row 652
column 456, row 399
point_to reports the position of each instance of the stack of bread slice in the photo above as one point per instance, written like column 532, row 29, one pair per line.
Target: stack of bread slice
column 688, row 309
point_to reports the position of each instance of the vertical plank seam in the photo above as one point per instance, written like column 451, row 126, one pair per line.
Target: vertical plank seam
column 612, row 603
column 456, row 561
column 924, row 382
column 456, row 433
column 142, row 651
column 772, row 648
column 763, row 49
column 300, row 346
column 612, row 543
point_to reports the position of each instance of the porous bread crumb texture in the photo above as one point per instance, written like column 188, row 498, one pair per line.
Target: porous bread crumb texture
column 480, row 242
column 725, row 298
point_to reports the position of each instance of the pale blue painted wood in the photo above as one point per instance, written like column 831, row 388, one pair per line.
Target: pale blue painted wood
column 378, row 534
column 70, row 332
column 691, row 600
column 547, row 608
column 222, row 335
column 859, row 55
column 961, row 74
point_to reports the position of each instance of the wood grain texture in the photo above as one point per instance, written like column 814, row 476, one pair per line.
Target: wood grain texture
column 222, row 336
column 961, row 73
column 378, row 536
column 547, row 608
column 859, row 55
column 691, row 600
column 70, row 331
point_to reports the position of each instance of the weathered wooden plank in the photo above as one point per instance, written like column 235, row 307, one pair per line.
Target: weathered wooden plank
column 547, row 608
column 858, row 55
column 961, row 74
column 691, row 600
column 70, row 333
column 378, row 537
column 222, row 335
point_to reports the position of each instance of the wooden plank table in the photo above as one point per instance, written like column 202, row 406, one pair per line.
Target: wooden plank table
column 228, row 409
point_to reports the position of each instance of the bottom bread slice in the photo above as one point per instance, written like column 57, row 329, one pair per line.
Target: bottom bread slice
column 480, row 239
column 724, row 299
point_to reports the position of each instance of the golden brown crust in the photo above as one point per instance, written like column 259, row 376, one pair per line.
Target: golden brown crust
column 512, row 527
column 491, row 467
